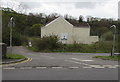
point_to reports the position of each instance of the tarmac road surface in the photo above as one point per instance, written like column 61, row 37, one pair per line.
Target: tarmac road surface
column 61, row 66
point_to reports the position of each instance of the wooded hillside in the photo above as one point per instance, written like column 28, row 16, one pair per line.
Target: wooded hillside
column 29, row 25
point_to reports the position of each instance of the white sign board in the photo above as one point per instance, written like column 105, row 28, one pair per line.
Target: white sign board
column 30, row 44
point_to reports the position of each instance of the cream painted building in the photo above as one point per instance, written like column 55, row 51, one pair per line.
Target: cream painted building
column 69, row 32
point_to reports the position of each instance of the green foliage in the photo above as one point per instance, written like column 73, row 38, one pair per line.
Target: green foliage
column 51, row 44
column 99, row 31
column 81, row 19
column 108, row 57
column 16, row 40
column 98, row 47
column 46, row 43
column 24, row 40
column 15, row 56
column 36, row 29
column 73, row 47
column 6, row 35
column 108, row 36
column 29, row 25
column 21, row 29
column 102, row 46
column 101, row 25
column 118, row 43
column 102, row 30
column 33, row 49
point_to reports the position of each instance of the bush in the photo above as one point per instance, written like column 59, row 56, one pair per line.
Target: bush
column 102, row 46
column 36, row 29
column 52, row 44
column 73, row 47
column 47, row 43
column 98, row 47
column 16, row 40
column 24, row 40
column 108, row 36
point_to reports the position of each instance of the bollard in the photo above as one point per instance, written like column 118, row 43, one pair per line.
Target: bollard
column 4, row 49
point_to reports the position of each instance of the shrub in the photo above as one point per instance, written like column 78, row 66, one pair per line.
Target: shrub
column 47, row 43
column 51, row 43
column 36, row 29
column 16, row 40
column 24, row 40
column 108, row 36
column 73, row 47
column 102, row 46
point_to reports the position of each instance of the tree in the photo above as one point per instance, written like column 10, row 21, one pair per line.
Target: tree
column 36, row 29
column 70, row 18
column 81, row 18
column 88, row 18
column 108, row 36
column 102, row 30
column 53, row 15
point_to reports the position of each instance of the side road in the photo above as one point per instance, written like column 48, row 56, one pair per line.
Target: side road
column 61, row 66
column 60, row 59
column 13, row 61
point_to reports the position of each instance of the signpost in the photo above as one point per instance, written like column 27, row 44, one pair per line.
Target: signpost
column 114, row 37
column 11, row 24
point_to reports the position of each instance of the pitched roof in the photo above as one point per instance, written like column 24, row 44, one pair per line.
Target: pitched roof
column 77, row 24
column 74, row 23
column 50, row 20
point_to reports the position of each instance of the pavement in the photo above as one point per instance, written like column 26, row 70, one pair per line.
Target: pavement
column 60, row 66
column 12, row 61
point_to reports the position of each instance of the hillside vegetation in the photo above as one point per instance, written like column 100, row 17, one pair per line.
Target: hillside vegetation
column 29, row 26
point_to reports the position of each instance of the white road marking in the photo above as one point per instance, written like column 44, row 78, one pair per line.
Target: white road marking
column 73, row 67
column 116, row 65
column 9, row 68
column 80, row 59
column 112, row 67
column 93, row 66
column 75, row 58
column 87, row 67
column 41, row 67
column 106, row 65
column 96, row 66
column 26, row 68
column 77, row 62
column 86, row 60
column 85, row 64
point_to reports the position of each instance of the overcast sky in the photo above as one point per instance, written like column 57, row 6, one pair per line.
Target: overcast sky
column 95, row 8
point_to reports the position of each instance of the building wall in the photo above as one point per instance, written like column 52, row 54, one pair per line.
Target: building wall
column 61, row 28
column 82, row 35
column 58, row 27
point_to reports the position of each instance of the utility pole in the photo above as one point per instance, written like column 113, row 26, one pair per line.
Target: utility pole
column 114, row 37
column 11, row 25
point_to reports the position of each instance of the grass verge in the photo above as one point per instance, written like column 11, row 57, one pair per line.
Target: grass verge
column 14, row 56
column 117, row 58
column 33, row 49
